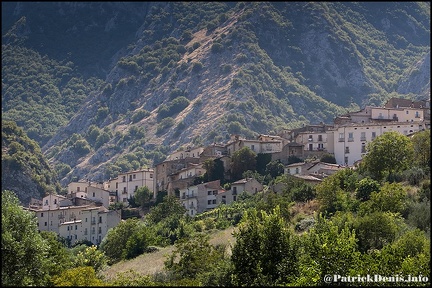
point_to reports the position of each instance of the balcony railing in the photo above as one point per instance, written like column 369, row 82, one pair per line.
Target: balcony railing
column 341, row 140
column 363, row 138
column 350, row 139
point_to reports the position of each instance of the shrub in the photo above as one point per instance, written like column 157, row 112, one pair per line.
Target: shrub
column 197, row 66
column 216, row 48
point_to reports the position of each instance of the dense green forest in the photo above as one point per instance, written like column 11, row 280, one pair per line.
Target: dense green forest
column 372, row 220
column 132, row 82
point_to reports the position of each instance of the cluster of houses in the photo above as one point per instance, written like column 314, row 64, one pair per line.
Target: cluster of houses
column 83, row 213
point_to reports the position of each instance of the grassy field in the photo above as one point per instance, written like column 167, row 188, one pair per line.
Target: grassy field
column 150, row 263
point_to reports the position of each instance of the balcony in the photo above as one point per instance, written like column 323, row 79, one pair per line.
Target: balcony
column 363, row 138
column 350, row 139
column 93, row 222
column 310, row 139
column 341, row 140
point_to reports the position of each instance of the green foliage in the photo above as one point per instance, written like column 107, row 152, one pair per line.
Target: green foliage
column 80, row 276
column 92, row 257
column 265, row 251
column 328, row 158
column 214, row 170
column 326, row 249
column 241, row 161
column 169, row 207
column 142, row 196
column 391, row 197
column 128, row 239
column 24, row 252
column 139, row 115
column 131, row 278
column 193, row 257
column 376, row 229
column 197, row 66
column 365, row 187
column 164, row 125
column 421, row 143
column 21, row 155
column 388, row 154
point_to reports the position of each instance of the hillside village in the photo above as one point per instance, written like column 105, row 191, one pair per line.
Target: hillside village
column 83, row 213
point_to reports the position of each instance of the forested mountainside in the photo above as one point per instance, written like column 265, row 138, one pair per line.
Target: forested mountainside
column 108, row 87
column 24, row 169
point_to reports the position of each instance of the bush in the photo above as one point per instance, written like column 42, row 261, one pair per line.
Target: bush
column 414, row 176
column 216, row 48
column 197, row 66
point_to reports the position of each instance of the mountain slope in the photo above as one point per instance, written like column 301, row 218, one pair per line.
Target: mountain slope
column 194, row 73
column 24, row 169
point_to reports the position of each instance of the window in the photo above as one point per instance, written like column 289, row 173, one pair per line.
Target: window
column 130, row 177
column 100, row 230
column 46, row 202
column 151, row 175
column 134, row 176
column 297, row 170
column 93, row 194
column 214, row 201
column 76, row 237
column 346, row 150
column 55, row 201
column 191, row 212
column 234, row 198
column 320, row 138
column 363, row 148
column 76, row 227
column 136, row 187
column 124, row 190
column 350, row 136
column 373, row 135
column 78, row 189
column 86, row 219
column 234, row 191
column 124, row 178
column 209, row 202
column 346, row 160
column 41, row 214
column 46, row 224
column 310, row 147
column 310, row 138
column 67, row 227
column 417, row 115
column 253, row 147
column 116, row 185
column 363, row 136
column 85, row 231
column 215, row 192
column 407, row 112
column 100, row 219
column 341, row 137
column 209, row 192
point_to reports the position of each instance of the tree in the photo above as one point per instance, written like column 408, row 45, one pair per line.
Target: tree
column 274, row 168
column 24, row 252
column 388, row 154
column 391, row 197
column 328, row 158
column 265, row 250
column 326, row 249
column 421, row 145
column 365, row 187
column 80, row 276
column 241, row 161
column 142, row 196
column 124, row 241
column 192, row 257
column 169, row 207
column 92, row 257
column 214, row 169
